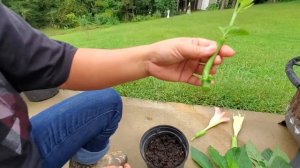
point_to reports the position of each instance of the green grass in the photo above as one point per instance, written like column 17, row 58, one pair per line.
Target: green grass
column 252, row 80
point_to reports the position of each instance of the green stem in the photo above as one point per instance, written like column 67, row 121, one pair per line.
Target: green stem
column 206, row 79
column 199, row 134
column 234, row 15
column 234, row 142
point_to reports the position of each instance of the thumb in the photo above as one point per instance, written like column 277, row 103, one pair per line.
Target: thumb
column 193, row 51
column 127, row 165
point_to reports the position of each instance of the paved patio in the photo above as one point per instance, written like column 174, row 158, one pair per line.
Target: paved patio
column 140, row 115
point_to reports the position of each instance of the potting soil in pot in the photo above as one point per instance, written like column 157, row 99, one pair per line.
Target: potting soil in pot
column 165, row 151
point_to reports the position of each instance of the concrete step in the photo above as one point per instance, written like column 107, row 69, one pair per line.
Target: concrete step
column 262, row 129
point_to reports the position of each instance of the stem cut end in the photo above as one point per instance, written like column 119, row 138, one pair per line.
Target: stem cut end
column 206, row 85
column 199, row 134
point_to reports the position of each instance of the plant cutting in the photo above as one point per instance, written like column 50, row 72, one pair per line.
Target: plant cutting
column 246, row 156
column 218, row 118
column 227, row 31
column 237, row 125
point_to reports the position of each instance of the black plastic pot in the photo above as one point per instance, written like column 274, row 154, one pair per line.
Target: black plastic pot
column 40, row 95
column 292, row 117
column 293, row 111
column 166, row 130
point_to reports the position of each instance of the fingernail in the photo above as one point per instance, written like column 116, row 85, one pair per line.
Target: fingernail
column 210, row 48
column 218, row 60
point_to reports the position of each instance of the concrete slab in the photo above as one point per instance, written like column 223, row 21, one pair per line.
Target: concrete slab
column 140, row 115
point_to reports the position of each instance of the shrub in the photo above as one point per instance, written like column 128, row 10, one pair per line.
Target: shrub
column 139, row 18
column 85, row 20
column 164, row 5
column 156, row 15
column 106, row 18
column 213, row 6
column 71, row 20
column 67, row 21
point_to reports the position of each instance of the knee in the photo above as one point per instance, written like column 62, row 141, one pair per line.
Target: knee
column 114, row 98
column 115, row 109
column 115, row 101
column 105, row 101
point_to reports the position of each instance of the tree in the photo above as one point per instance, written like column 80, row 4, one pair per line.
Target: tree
column 194, row 4
column 69, row 13
column 164, row 5
column 16, row 5
column 144, row 7
column 127, row 10
column 233, row 3
column 223, row 4
column 89, row 5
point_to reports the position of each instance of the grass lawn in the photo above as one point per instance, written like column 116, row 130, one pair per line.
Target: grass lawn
column 253, row 80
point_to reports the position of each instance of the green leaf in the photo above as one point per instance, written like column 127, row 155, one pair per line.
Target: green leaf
column 246, row 7
column 222, row 29
column 237, row 31
column 245, row 3
column 230, row 158
column 219, row 160
column 278, row 152
column 267, row 154
column 262, row 164
column 279, row 162
column 279, row 159
column 200, row 158
column 233, row 30
column 253, row 152
column 225, row 30
column 238, row 158
column 255, row 156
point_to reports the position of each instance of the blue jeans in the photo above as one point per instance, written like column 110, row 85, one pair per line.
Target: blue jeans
column 78, row 127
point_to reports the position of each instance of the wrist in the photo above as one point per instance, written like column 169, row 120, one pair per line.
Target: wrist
column 148, row 58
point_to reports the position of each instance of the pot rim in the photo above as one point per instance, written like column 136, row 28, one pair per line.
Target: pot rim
column 159, row 129
column 289, row 70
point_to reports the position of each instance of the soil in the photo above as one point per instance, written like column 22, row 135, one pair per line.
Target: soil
column 165, row 151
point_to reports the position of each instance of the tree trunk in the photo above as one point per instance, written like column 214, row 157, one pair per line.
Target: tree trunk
column 185, row 5
column 177, row 5
column 233, row 3
column 223, row 4
column 195, row 4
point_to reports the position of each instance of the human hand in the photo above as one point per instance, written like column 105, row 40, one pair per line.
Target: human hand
column 178, row 59
column 125, row 166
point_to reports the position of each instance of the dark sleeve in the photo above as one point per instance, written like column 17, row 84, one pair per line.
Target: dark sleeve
column 29, row 59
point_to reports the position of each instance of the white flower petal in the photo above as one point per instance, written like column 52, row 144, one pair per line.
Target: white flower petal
column 237, row 123
column 218, row 118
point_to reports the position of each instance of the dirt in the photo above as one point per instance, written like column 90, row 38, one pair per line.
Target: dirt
column 165, row 151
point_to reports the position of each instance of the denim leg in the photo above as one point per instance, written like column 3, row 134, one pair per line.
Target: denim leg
column 83, row 122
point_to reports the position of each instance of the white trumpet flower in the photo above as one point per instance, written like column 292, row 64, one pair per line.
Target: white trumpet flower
column 218, row 118
column 237, row 126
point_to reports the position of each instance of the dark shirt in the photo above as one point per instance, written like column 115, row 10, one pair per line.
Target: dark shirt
column 28, row 61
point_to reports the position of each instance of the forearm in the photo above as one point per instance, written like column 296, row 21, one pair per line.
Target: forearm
column 99, row 68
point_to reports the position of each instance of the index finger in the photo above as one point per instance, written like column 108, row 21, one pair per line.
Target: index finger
column 199, row 41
